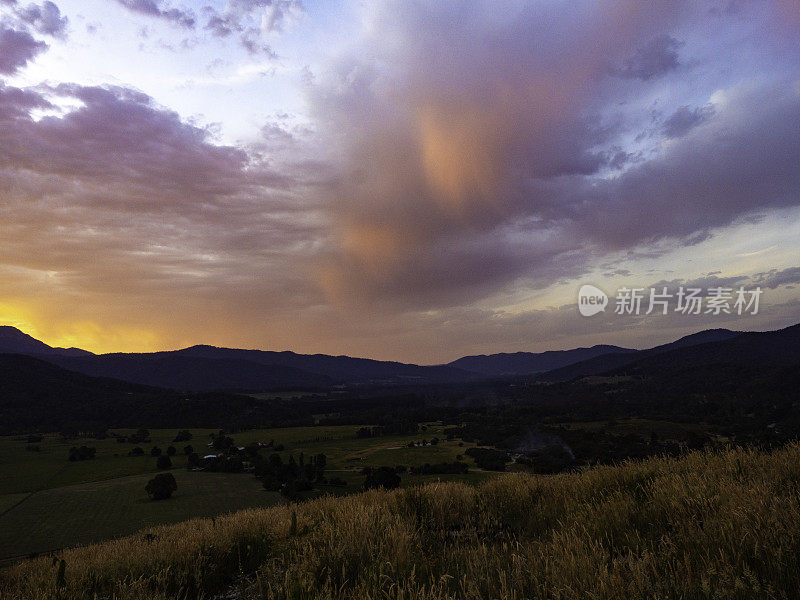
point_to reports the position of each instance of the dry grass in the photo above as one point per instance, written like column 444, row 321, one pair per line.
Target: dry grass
column 709, row 525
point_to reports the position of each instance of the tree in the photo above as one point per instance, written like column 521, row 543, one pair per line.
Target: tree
column 155, row 451
column 171, row 451
column 161, row 486
column 164, row 462
column 187, row 450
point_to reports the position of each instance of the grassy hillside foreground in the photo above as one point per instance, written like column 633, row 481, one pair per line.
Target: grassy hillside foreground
column 709, row 525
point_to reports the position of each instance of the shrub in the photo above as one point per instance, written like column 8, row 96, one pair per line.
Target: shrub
column 171, row 451
column 155, row 451
column 164, row 462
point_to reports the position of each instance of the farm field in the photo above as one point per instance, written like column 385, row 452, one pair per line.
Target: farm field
column 48, row 502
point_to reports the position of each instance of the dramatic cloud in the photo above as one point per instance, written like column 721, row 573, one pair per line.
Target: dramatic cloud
column 445, row 175
column 492, row 164
column 16, row 49
column 740, row 162
column 446, row 154
column 127, row 200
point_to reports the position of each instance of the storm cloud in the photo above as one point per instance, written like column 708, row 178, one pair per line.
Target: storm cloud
column 498, row 161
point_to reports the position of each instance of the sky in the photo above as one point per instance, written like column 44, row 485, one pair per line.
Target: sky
column 411, row 181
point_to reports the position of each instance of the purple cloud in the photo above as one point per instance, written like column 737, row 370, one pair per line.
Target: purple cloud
column 251, row 20
column 685, row 119
column 46, row 19
column 17, row 48
column 777, row 278
column 657, row 57
column 486, row 167
column 151, row 8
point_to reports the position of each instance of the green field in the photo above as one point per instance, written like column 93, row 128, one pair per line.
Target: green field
column 48, row 502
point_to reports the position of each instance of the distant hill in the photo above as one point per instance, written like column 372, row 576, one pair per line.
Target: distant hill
column 751, row 349
column 344, row 369
column 206, row 368
column 39, row 395
column 14, row 341
column 193, row 373
column 36, row 395
column 209, row 368
column 614, row 360
column 528, row 363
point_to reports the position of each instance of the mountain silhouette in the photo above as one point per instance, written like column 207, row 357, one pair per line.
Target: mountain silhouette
column 615, row 360
column 528, row 363
column 14, row 341
column 750, row 349
column 207, row 368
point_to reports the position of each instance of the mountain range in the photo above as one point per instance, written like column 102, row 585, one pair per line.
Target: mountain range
column 206, row 368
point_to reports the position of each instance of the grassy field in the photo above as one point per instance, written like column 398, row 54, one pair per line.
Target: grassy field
column 708, row 525
column 48, row 502
column 89, row 512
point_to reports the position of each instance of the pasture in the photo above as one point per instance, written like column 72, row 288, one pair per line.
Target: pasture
column 48, row 502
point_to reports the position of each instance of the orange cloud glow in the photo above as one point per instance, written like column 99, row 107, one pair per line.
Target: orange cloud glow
column 460, row 151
